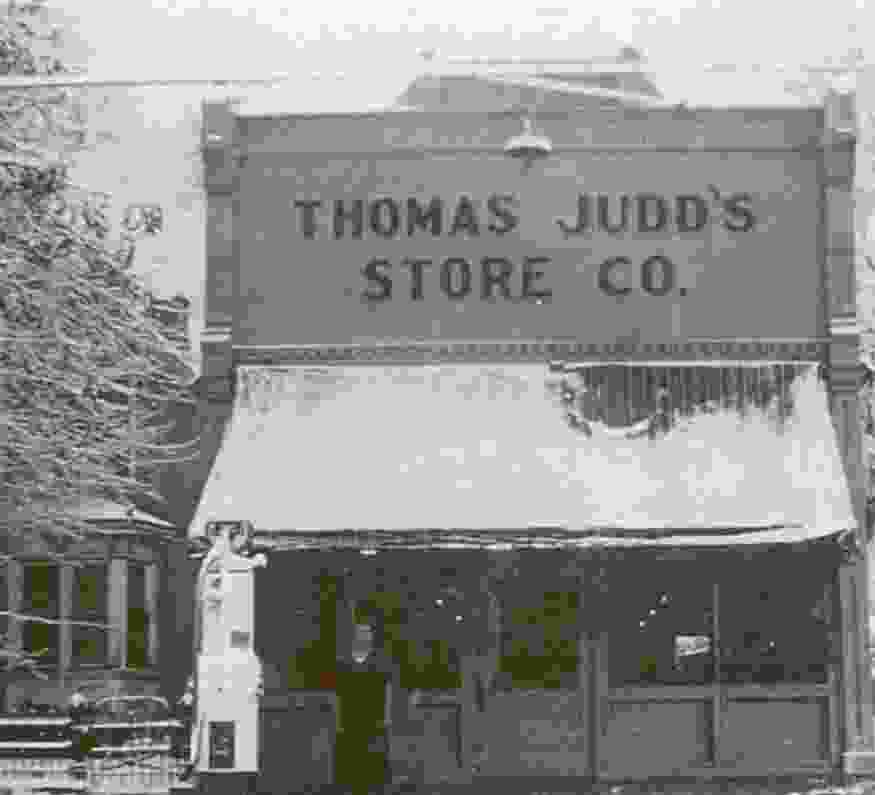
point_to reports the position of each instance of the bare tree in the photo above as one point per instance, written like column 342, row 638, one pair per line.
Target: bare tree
column 87, row 371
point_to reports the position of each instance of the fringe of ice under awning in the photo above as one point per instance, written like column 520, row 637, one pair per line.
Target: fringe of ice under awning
column 654, row 394
column 255, row 382
column 628, row 401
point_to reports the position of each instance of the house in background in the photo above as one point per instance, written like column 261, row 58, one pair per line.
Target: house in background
column 116, row 581
column 104, row 617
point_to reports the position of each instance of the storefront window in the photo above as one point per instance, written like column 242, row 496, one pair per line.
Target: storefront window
column 420, row 635
column 661, row 632
column 775, row 629
column 539, row 647
column 429, row 665
column 312, row 643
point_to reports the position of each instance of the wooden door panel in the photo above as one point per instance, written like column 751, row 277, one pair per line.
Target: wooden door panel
column 534, row 733
column 654, row 738
column 765, row 735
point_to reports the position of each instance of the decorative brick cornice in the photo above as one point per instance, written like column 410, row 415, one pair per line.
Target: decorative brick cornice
column 537, row 350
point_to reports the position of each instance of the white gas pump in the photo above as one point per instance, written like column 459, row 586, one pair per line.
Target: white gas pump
column 229, row 673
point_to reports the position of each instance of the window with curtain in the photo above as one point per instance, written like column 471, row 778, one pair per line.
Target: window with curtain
column 90, row 644
column 661, row 630
column 40, row 598
column 138, row 619
column 539, row 639
column 776, row 629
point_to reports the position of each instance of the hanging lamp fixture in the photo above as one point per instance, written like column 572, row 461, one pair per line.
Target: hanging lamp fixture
column 528, row 145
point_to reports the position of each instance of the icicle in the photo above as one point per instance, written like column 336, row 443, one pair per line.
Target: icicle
column 692, row 380
column 711, row 395
column 243, row 389
column 649, row 387
column 736, row 389
column 638, row 396
column 689, row 390
column 754, row 389
column 786, row 374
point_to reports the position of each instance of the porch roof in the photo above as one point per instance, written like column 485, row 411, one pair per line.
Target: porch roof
column 524, row 454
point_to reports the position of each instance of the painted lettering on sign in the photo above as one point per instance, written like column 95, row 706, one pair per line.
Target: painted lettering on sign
column 526, row 278
column 387, row 217
column 457, row 278
column 648, row 212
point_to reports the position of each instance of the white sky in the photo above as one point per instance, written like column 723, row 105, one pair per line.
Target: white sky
column 377, row 44
column 168, row 36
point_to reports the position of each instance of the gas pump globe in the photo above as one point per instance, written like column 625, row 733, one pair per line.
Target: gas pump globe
column 362, row 642
column 229, row 672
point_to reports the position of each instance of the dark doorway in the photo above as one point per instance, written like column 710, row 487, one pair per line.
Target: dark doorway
column 361, row 753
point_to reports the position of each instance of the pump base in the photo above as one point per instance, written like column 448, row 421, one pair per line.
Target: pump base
column 226, row 783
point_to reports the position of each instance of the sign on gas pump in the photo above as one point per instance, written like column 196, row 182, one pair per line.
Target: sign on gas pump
column 221, row 741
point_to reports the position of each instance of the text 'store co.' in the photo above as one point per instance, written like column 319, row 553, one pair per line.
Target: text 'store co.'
column 498, row 277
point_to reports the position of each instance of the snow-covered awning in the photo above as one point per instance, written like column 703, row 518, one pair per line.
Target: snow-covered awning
column 558, row 455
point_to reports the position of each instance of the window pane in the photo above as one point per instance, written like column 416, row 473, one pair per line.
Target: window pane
column 539, row 639
column 428, row 665
column 419, row 633
column 419, row 628
column 42, row 640
column 41, row 588
column 90, row 604
column 661, row 630
column 776, row 629
column 138, row 619
column 4, row 599
column 91, row 585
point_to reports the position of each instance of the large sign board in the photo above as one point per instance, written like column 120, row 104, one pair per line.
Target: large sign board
column 597, row 246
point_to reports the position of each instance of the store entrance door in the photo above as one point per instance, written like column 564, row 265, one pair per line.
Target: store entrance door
column 361, row 751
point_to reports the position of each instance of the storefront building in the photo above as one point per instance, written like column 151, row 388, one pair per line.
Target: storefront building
column 567, row 425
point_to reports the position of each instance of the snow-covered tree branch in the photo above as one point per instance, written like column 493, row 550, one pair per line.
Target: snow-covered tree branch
column 87, row 372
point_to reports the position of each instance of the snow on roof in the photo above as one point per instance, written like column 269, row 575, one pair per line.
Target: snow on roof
column 509, row 459
column 106, row 510
column 741, row 88
column 412, row 85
